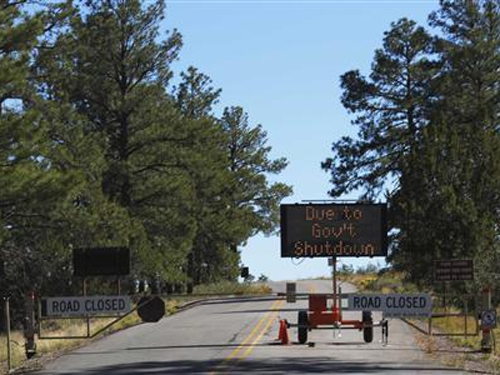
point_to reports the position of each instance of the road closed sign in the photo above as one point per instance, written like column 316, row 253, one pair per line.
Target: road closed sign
column 392, row 304
column 80, row 306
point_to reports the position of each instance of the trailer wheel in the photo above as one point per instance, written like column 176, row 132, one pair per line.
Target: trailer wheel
column 303, row 326
column 367, row 331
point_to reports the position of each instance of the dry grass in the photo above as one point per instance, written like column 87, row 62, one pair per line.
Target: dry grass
column 228, row 287
column 388, row 282
column 427, row 343
column 55, row 328
column 495, row 363
column 361, row 281
column 457, row 325
column 392, row 282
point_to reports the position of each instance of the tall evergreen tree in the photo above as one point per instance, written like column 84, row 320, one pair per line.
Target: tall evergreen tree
column 113, row 71
column 235, row 200
column 430, row 122
column 391, row 108
column 31, row 188
column 469, row 85
column 254, row 199
column 209, row 259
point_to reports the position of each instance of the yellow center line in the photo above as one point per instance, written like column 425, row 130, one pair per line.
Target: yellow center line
column 276, row 305
column 235, row 352
column 272, row 317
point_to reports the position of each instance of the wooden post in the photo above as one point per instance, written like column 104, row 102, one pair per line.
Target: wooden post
column 429, row 327
column 7, row 331
column 29, row 325
column 84, row 292
column 466, row 312
column 486, row 305
column 88, row 327
column 445, row 305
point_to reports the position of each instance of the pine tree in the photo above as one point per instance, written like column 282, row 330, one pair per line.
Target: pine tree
column 431, row 125
column 391, row 108
column 209, row 259
column 113, row 71
column 469, row 49
column 254, row 199
column 233, row 195
column 31, row 188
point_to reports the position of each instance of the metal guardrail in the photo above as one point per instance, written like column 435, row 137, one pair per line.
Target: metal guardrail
column 466, row 314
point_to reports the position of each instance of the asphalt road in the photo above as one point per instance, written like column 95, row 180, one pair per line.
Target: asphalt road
column 235, row 336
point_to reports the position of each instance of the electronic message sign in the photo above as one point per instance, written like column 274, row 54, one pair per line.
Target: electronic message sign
column 101, row 261
column 332, row 230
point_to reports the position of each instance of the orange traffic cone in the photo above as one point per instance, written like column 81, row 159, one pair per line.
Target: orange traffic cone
column 283, row 334
column 280, row 332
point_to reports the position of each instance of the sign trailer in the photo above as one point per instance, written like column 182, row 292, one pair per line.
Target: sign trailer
column 332, row 230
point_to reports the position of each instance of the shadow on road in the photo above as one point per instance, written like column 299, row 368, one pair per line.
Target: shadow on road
column 225, row 301
column 354, row 345
column 258, row 311
column 315, row 365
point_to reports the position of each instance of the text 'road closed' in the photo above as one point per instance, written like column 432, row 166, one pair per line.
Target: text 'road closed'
column 392, row 304
column 95, row 305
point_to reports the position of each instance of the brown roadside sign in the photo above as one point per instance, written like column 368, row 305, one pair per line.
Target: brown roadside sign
column 454, row 270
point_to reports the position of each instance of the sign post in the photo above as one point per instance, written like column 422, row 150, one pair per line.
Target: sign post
column 291, row 292
column 29, row 325
column 486, row 346
column 334, row 277
column 7, row 331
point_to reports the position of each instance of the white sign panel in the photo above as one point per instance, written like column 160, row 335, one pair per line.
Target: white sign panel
column 392, row 304
column 95, row 305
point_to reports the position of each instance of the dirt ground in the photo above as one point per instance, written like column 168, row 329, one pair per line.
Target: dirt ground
column 449, row 352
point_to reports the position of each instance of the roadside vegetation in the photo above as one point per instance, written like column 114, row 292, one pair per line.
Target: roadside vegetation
column 99, row 148
column 372, row 278
column 68, row 327
column 428, row 143
column 73, row 327
column 228, row 287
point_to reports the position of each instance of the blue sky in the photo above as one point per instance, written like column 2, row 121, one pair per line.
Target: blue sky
column 281, row 61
